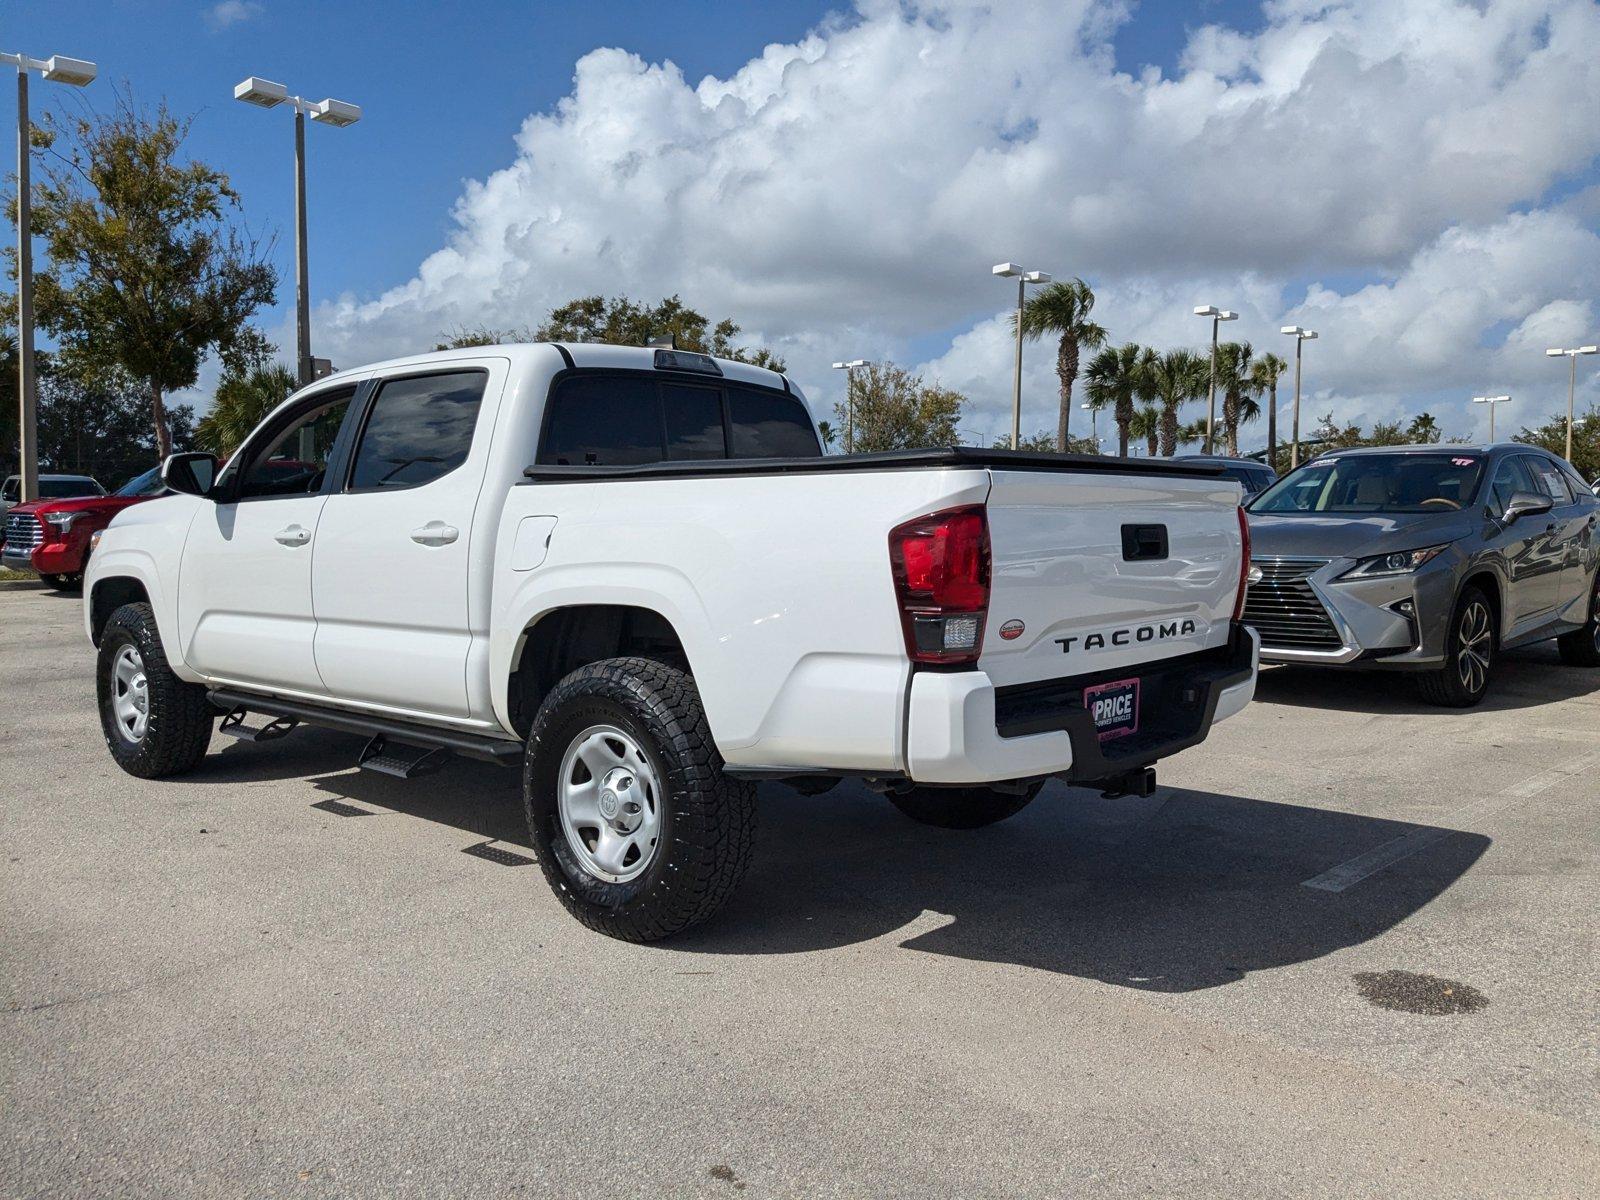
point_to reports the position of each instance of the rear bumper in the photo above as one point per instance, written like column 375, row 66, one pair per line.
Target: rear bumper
column 961, row 729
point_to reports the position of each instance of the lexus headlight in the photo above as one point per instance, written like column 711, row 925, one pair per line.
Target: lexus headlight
column 61, row 521
column 1402, row 562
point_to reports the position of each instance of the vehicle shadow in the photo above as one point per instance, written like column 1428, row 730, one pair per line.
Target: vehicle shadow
column 1180, row 891
column 1523, row 678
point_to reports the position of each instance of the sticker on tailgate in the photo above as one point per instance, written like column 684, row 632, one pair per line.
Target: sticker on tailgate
column 1114, row 707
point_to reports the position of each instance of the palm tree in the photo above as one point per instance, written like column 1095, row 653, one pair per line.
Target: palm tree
column 1175, row 378
column 1115, row 379
column 1146, row 424
column 1063, row 309
column 1264, row 376
column 1234, row 366
column 243, row 399
column 826, row 433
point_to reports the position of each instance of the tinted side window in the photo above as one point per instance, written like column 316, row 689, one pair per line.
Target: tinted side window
column 296, row 460
column 1548, row 479
column 1509, row 478
column 694, row 422
column 607, row 420
column 769, row 425
column 418, row 430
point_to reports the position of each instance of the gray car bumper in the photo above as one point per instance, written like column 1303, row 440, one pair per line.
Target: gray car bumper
column 1395, row 621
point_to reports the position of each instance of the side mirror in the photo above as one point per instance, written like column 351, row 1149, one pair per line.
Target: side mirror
column 1527, row 504
column 191, row 474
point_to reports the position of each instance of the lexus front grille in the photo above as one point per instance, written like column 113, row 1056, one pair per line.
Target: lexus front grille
column 24, row 531
column 1285, row 610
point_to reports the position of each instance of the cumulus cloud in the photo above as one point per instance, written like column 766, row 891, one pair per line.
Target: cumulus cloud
column 231, row 12
column 1381, row 171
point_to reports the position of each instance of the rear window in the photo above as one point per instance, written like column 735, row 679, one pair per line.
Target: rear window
column 633, row 419
column 419, row 429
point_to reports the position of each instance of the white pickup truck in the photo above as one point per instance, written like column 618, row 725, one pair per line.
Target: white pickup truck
column 633, row 572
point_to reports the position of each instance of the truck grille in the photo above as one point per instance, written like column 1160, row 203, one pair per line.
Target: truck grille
column 23, row 532
column 1284, row 609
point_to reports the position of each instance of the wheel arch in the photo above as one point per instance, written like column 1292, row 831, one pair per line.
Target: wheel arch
column 108, row 594
column 1488, row 581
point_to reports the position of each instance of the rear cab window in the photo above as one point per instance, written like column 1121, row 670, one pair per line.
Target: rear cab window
column 417, row 429
column 631, row 418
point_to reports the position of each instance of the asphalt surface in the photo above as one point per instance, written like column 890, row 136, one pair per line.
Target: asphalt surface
column 281, row 976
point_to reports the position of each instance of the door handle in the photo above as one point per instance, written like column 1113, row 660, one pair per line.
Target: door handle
column 293, row 535
column 435, row 533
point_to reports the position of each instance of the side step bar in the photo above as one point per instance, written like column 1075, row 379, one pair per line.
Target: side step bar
column 407, row 733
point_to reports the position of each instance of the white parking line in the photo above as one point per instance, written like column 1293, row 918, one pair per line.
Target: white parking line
column 1352, row 872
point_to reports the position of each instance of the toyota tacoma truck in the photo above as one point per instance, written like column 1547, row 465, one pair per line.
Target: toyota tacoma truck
column 632, row 573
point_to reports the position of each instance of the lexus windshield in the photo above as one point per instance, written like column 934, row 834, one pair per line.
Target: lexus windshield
column 1355, row 484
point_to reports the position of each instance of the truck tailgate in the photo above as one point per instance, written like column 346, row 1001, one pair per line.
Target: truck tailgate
column 1097, row 572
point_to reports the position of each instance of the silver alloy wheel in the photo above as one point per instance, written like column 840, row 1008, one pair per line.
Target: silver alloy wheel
column 1472, row 660
column 130, row 694
column 610, row 803
column 1594, row 610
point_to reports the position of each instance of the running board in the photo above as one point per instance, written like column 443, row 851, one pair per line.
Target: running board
column 403, row 762
column 409, row 734
column 233, row 726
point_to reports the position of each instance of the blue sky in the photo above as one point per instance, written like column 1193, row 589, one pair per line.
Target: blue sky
column 1311, row 163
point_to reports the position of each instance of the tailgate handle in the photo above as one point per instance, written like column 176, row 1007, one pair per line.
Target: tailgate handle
column 1142, row 542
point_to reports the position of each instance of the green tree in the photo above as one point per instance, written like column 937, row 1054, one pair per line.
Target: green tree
column 1235, row 380
column 827, row 434
column 10, row 433
column 1117, row 378
column 1552, row 435
column 888, row 408
column 242, row 401
column 1062, row 310
column 1146, row 424
column 467, row 336
column 1044, row 442
column 623, row 322
column 1424, row 430
column 95, row 422
column 147, row 269
column 1175, row 378
column 1264, row 375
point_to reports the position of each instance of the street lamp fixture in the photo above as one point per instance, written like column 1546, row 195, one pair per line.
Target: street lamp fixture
column 1008, row 270
column 265, row 93
column 76, row 73
column 1217, row 315
column 849, row 402
column 1572, row 380
column 1493, row 402
column 1301, row 336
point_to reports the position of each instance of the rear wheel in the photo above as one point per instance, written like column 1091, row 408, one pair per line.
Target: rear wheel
column 962, row 808
column 154, row 723
column 635, row 824
column 1469, row 655
column 1581, row 647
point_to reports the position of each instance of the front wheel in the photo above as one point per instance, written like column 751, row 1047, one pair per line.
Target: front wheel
column 1469, row 655
column 1581, row 647
column 636, row 826
column 154, row 723
column 962, row 808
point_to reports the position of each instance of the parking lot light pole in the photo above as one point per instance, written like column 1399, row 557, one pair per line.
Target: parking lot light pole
column 56, row 69
column 265, row 94
column 1217, row 315
column 1008, row 270
column 1572, row 381
column 1301, row 337
column 1492, row 402
column 849, row 402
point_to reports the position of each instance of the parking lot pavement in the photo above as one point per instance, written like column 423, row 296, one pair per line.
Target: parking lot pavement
column 283, row 977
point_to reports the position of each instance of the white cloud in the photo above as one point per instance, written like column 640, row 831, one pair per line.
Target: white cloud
column 847, row 193
column 232, row 12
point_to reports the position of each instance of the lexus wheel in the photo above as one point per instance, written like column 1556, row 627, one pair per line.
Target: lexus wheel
column 1581, row 647
column 1463, row 678
column 636, row 826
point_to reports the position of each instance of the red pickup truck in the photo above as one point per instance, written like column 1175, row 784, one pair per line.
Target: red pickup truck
column 52, row 536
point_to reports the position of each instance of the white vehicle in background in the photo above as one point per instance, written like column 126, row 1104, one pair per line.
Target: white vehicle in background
column 632, row 573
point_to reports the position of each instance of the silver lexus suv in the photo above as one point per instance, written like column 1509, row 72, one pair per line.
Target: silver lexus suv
column 1430, row 559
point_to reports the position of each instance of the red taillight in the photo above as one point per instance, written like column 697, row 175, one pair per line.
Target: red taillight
column 1244, row 564
column 941, row 578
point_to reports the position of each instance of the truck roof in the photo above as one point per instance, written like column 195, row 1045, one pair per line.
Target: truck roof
column 580, row 354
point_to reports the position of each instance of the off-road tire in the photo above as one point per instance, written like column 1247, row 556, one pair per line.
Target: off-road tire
column 708, row 820
column 1581, row 647
column 962, row 808
column 178, row 727
column 1445, row 685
